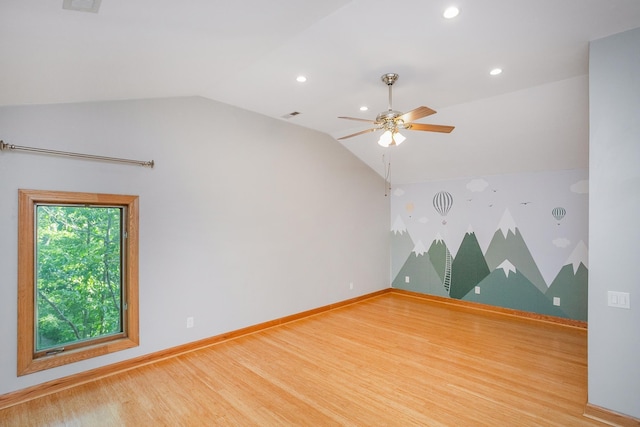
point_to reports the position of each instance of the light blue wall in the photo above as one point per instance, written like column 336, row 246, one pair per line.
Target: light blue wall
column 244, row 219
column 614, row 215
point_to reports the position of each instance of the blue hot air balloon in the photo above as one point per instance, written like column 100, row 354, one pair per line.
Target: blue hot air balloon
column 558, row 213
column 442, row 202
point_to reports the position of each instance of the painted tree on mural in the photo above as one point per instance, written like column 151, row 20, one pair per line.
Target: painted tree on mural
column 78, row 274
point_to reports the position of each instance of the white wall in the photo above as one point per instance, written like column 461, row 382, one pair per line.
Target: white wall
column 244, row 219
column 614, row 215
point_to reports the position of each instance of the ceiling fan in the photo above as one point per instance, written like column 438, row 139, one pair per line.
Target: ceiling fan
column 391, row 122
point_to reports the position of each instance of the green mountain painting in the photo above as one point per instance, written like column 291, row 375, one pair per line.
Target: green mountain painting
column 469, row 267
column 506, row 287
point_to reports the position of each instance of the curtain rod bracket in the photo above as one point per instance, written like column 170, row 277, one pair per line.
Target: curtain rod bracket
column 5, row 146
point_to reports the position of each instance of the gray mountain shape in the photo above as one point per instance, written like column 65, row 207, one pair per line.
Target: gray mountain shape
column 515, row 292
column 514, row 248
column 438, row 255
column 422, row 276
column 401, row 247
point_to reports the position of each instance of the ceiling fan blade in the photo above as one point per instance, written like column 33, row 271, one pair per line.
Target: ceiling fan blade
column 358, row 133
column 360, row 120
column 416, row 114
column 430, row 128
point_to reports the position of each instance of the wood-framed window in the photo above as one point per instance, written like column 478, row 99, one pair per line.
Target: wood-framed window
column 77, row 277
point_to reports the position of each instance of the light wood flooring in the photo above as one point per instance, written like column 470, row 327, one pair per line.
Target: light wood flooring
column 391, row 360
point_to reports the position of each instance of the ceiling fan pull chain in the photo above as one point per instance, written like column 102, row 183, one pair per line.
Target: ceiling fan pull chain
column 387, row 174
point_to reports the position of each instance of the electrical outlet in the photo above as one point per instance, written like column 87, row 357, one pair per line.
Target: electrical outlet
column 406, row 279
column 351, row 285
column 556, row 301
column 477, row 289
column 619, row 299
column 189, row 322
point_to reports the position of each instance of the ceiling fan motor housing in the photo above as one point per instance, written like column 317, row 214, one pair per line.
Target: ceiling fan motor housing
column 389, row 120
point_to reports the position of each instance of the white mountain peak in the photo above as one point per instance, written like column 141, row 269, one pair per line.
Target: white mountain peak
column 507, row 223
column 506, row 266
column 398, row 226
column 419, row 249
column 439, row 238
column 580, row 255
column 470, row 230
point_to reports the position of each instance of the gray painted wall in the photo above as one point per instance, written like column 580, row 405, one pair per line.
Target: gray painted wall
column 244, row 219
column 614, row 212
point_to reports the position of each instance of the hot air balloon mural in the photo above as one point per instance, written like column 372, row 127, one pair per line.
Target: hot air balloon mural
column 558, row 213
column 442, row 202
column 409, row 207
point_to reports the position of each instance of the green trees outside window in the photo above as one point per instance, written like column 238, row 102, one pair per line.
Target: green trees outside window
column 78, row 273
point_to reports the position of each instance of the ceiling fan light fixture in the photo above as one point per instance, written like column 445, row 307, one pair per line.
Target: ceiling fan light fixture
column 391, row 121
column 385, row 139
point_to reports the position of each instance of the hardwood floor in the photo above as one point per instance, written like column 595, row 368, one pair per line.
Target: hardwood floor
column 392, row 360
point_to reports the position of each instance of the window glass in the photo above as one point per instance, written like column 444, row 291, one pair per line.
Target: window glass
column 78, row 274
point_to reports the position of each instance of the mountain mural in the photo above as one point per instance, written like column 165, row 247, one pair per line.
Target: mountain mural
column 420, row 273
column 509, row 288
column 401, row 246
column 508, row 243
column 570, row 285
column 523, row 265
column 469, row 266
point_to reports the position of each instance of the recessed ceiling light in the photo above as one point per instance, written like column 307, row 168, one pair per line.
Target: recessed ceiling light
column 301, row 79
column 364, row 108
column 495, row 71
column 451, row 12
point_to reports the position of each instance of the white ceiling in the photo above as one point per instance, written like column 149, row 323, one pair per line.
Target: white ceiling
column 248, row 53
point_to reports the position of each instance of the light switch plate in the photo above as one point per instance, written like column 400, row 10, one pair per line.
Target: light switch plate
column 619, row 299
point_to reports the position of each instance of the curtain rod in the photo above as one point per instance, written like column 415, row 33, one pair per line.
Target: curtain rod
column 5, row 146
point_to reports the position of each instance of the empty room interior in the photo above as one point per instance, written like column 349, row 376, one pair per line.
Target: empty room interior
column 319, row 213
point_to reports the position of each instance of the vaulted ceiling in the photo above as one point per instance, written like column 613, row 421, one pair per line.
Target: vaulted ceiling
column 533, row 116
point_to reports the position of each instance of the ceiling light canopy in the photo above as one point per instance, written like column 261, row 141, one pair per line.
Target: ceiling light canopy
column 301, row 79
column 495, row 71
